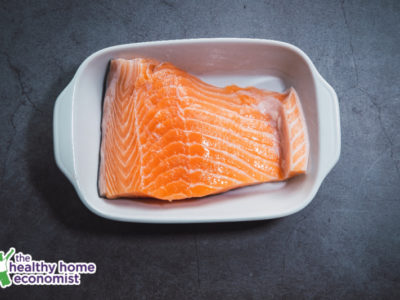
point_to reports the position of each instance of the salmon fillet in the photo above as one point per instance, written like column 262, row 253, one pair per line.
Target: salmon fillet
column 168, row 135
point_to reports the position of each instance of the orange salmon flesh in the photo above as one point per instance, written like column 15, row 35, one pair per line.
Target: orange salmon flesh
column 168, row 135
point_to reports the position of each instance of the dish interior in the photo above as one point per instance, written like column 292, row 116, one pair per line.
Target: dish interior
column 261, row 65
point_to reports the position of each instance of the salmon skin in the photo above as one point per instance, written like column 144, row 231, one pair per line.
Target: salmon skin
column 168, row 135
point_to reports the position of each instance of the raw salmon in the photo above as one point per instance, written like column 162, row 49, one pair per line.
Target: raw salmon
column 168, row 135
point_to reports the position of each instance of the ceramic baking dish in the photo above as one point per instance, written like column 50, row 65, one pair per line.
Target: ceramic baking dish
column 246, row 62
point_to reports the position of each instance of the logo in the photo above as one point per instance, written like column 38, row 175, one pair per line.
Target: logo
column 23, row 270
column 5, row 280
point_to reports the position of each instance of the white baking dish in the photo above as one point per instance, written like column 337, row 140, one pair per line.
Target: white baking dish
column 246, row 62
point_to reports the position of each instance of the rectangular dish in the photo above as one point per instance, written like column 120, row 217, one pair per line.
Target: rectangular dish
column 265, row 64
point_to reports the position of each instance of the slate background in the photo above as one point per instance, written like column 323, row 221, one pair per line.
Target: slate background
column 345, row 244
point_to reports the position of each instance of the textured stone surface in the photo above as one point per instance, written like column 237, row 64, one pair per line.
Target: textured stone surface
column 345, row 244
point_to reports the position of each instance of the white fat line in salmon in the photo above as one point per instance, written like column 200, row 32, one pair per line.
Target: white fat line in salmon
column 244, row 151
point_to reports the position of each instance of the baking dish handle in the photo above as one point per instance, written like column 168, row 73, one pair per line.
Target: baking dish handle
column 62, row 132
column 330, row 134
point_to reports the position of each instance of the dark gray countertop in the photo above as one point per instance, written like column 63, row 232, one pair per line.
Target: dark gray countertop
column 345, row 244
